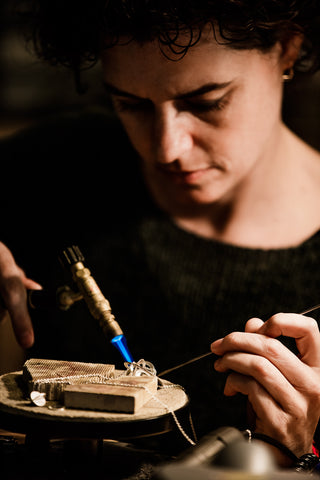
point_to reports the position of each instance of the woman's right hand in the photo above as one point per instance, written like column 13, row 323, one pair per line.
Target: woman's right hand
column 13, row 290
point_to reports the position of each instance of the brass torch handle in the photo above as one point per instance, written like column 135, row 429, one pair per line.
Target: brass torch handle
column 98, row 305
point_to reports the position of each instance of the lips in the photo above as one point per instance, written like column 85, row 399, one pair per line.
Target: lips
column 188, row 177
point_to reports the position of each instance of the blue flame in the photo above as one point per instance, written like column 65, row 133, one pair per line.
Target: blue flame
column 121, row 343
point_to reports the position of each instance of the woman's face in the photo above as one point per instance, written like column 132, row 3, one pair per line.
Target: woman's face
column 203, row 125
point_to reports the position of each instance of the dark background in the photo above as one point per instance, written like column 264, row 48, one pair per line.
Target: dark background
column 31, row 90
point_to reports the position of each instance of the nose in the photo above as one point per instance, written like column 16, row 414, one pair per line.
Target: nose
column 173, row 136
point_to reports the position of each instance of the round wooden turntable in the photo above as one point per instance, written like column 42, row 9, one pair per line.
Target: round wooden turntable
column 19, row 414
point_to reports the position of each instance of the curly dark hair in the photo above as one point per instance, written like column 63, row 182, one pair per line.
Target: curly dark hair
column 73, row 32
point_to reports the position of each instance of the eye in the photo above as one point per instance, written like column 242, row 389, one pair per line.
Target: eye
column 134, row 106
column 207, row 106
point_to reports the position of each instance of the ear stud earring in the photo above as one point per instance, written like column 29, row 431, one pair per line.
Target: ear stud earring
column 288, row 74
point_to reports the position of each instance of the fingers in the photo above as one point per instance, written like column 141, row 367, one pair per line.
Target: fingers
column 283, row 388
column 261, row 370
column 305, row 330
column 13, row 284
column 13, row 293
column 29, row 283
column 262, row 349
column 293, row 427
column 259, row 338
column 253, row 325
column 262, row 403
column 270, row 357
column 258, row 397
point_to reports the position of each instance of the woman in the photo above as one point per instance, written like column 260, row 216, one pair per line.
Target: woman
column 228, row 225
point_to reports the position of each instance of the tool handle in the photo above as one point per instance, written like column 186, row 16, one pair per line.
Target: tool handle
column 98, row 305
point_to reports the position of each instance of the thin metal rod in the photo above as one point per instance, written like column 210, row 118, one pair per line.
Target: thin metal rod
column 311, row 309
column 195, row 359
column 185, row 363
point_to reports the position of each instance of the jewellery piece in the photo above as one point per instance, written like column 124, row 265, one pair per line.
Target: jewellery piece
column 138, row 369
column 248, row 434
column 288, row 74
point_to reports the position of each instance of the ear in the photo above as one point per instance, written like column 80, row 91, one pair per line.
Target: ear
column 290, row 51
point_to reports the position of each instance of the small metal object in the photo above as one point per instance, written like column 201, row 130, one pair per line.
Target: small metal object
column 55, row 406
column 139, row 369
column 38, row 398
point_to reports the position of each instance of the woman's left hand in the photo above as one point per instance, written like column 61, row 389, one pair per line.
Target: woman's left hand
column 282, row 388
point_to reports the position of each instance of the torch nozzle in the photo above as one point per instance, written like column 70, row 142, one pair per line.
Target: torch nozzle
column 120, row 343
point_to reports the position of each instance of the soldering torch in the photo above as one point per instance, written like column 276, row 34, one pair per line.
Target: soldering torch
column 98, row 305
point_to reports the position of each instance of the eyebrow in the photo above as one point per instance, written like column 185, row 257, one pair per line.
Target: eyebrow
column 208, row 87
